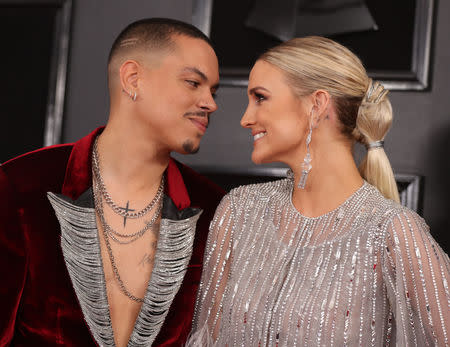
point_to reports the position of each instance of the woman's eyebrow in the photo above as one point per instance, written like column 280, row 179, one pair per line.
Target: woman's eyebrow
column 253, row 90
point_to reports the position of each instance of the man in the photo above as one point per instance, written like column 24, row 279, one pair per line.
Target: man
column 101, row 241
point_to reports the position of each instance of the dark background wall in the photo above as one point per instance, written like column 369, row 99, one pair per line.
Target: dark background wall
column 419, row 142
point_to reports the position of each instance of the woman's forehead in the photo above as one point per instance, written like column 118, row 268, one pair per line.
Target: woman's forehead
column 266, row 75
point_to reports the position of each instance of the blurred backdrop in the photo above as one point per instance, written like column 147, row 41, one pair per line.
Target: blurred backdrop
column 418, row 143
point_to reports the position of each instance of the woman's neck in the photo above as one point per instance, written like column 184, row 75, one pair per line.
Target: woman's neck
column 333, row 178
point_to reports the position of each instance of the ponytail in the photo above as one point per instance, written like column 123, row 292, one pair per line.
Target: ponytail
column 372, row 123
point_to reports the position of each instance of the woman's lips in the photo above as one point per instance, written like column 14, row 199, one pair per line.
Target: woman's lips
column 259, row 135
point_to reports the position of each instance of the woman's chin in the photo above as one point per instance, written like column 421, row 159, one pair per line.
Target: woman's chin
column 258, row 158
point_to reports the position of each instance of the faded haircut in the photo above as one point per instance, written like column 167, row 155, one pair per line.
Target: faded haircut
column 152, row 35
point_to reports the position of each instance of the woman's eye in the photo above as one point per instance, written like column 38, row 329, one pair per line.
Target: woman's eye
column 193, row 83
column 259, row 98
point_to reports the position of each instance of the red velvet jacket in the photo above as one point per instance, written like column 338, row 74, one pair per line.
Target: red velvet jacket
column 38, row 305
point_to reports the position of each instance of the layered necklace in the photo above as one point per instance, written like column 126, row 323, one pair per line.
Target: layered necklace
column 101, row 194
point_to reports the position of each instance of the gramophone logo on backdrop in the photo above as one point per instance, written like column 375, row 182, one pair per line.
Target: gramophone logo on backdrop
column 285, row 19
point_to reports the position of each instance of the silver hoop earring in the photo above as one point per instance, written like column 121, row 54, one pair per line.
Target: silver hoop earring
column 134, row 96
column 306, row 165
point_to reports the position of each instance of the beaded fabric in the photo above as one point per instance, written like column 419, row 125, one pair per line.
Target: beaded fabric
column 81, row 249
column 365, row 274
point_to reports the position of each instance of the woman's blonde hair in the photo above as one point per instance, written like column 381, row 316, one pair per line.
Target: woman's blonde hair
column 364, row 110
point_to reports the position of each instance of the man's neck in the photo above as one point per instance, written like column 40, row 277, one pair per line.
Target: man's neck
column 129, row 163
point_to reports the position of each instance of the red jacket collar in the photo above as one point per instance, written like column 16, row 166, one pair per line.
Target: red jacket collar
column 78, row 176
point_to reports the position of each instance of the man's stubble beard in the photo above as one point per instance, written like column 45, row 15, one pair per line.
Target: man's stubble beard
column 189, row 148
column 188, row 145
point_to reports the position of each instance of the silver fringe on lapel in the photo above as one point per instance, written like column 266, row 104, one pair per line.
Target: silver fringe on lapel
column 173, row 254
column 81, row 250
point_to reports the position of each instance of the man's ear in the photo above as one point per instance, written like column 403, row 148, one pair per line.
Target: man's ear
column 128, row 74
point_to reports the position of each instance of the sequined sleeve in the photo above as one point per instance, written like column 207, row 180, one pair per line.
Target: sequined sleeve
column 216, row 267
column 416, row 272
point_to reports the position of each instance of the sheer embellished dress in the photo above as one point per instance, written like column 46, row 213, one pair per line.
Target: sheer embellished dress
column 365, row 274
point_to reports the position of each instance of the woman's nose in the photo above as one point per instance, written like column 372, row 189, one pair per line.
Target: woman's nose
column 247, row 119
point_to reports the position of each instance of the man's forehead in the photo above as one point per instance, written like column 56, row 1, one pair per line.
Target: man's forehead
column 187, row 55
column 190, row 60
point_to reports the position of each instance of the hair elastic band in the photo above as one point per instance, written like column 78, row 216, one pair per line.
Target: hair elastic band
column 375, row 144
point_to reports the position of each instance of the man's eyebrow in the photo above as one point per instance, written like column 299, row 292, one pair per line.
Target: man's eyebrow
column 253, row 90
column 201, row 74
column 197, row 72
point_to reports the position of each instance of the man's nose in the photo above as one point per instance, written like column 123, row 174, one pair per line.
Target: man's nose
column 208, row 104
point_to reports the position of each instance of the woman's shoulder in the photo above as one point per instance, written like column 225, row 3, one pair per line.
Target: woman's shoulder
column 393, row 215
column 261, row 191
column 258, row 194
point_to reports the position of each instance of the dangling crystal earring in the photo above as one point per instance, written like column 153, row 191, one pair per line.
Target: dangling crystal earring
column 306, row 165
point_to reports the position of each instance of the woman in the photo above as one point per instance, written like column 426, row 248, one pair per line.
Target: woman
column 326, row 256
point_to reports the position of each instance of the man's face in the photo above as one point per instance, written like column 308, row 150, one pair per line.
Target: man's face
column 177, row 96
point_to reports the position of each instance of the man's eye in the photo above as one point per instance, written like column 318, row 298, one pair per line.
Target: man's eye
column 193, row 83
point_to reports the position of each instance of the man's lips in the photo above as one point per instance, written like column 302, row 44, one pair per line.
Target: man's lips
column 200, row 119
column 200, row 123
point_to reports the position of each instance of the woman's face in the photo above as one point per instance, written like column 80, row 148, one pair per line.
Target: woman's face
column 278, row 119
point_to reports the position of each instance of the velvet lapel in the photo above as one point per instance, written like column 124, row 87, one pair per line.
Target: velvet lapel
column 78, row 176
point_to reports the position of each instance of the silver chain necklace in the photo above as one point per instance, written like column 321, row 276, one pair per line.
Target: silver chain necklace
column 124, row 212
column 115, row 235
column 108, row 231
column 105, row 227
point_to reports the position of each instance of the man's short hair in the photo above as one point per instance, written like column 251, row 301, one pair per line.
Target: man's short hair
column 153, row 34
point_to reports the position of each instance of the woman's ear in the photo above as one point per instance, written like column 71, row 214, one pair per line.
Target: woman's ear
column 321, row 102
column 320, row 106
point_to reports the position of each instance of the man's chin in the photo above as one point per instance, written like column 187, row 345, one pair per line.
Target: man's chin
column 189, row 147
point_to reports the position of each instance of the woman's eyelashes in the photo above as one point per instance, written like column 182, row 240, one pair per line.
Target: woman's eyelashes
column 259, row 97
